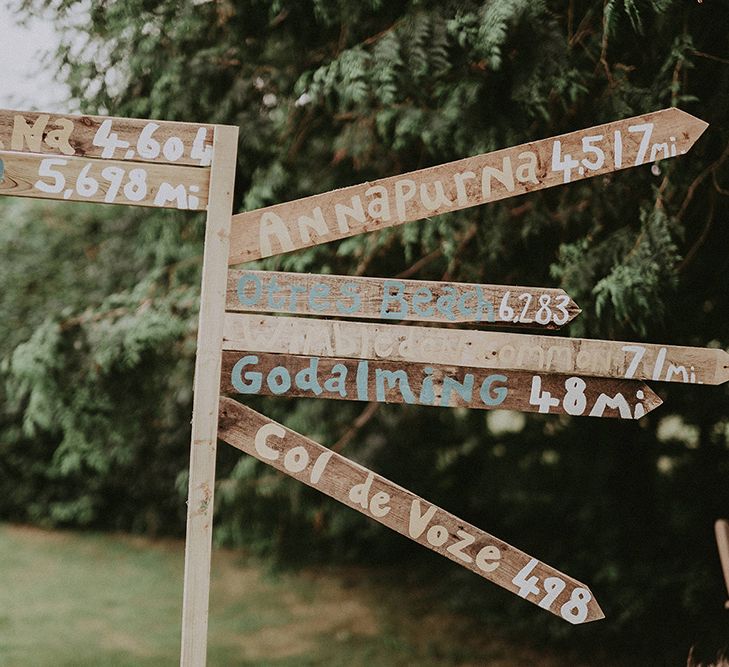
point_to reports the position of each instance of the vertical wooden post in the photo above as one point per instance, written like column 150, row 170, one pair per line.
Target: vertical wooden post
column 205, row 401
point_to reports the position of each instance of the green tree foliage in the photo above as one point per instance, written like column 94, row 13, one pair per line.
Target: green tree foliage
column 99, row 304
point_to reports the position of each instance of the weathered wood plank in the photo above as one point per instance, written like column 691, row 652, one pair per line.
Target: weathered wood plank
column 104, row 181
column 406, row 513
column 479, row 349
column 721, row 530
column 203, row 444
column 137, row 139
column 456, row 185
column 338, row 378
column 394, row 299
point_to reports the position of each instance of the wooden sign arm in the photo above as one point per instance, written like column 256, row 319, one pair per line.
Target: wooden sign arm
column 393, row 299
column 404, row 512
column 339, row 378
column 453, row 186
column 479, row 349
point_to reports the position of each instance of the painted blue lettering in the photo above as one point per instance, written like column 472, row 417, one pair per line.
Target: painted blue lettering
column 484, row 303
column 363, row 371
column 421, row 296
column 464, row 389
column 392, row 378
column 318, row 291
column 427, row 395
column 462, row 308
column 273, row 289
column 397, row 288
column 243, row 282
column 499, row 393
column 307, row 378
column 337, row 384
column 253, row 379
column 349, row 291
column 296, row 289
column 279, row 380
column 446, row 303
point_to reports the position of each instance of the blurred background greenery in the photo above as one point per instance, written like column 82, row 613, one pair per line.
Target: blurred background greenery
column 98, row 305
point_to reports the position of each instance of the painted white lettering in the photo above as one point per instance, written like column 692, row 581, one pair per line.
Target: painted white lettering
column 526, row 172
column 485, row 556
column 405, row 190
column 505, row 176
column 296, row 459
column 168, row 193
column 271, row 225
column 379, row 206
column 24, row 133
column 318, row 469
column 437, row 535
column 418, row 521
column 638, row 352
column 262, row 436
column 457, row 548
column 378, row 504
column 356, row 212
column 439, row 200
column 461, row 191
column 316, row 223
column 59, row 138
column 360, row 493
column 676, row 370
column 616, row 402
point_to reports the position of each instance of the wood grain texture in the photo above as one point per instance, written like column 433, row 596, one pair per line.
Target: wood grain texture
column 456, row 185
column 478, row 349
column 398, row 509
column 338, row 378
column 203, row 444
column 165, row 186
column 721, row 530
column 73, row 136
column 394, row 299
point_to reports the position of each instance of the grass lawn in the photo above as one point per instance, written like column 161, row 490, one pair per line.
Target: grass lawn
column 85, row 599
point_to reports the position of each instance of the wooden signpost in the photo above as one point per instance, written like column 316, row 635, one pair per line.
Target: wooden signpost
column 160, row 164
column 430, row 384
column 394, row 299
column 480, row 349
column 406, row 513
column 191, row 167
column 456, row 185
column 203, row 447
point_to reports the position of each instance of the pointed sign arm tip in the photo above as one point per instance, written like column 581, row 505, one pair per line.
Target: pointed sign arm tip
column 722, row 367
column 598, row 614
column 652, row 400
column 694, row 123
column 594, row 610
